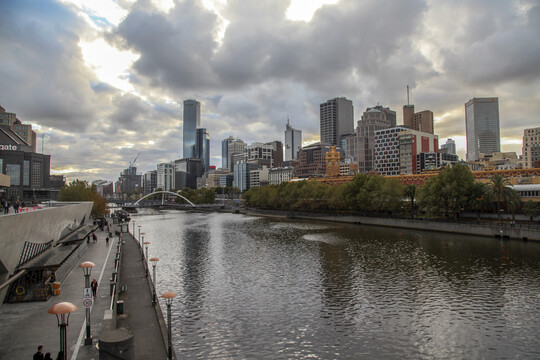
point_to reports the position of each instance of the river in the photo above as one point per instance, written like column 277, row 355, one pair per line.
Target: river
column 259, row 288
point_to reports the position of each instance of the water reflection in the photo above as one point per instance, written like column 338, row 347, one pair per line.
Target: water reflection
column 266, row 289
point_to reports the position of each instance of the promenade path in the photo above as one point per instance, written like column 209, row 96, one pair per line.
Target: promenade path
column 24, row 326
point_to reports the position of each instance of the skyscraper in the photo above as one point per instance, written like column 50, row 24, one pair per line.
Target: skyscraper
column 420, row 121
column 202, row 148
column 293, row 142
column 336, row 117
column 482, row 126
column 192, row 121
column 225, row 152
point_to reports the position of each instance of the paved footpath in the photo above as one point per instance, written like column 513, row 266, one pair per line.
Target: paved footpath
column 24, row 326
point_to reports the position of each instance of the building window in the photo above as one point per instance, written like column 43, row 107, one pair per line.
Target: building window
column 26, row 173
column 37, row 174
column 14, row 173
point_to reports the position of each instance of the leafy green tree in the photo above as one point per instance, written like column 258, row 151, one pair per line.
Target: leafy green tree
column 79, row 190
column 447, row 193
column 531, row 209
column 477, row 199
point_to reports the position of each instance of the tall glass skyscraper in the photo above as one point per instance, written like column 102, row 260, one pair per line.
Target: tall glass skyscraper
column 192, row 121
column 225, row 151
column 482, row 126
column 293, row 142
column 202, row 148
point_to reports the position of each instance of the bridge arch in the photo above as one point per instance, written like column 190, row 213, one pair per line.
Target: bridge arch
column 163, row 192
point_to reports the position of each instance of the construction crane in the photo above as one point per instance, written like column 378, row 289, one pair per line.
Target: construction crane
column 131, row 164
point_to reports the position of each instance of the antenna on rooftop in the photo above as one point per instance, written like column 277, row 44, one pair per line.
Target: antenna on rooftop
column 407, row 94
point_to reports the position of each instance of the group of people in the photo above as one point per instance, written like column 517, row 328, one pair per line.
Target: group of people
column 47, row 356
column 16, row 206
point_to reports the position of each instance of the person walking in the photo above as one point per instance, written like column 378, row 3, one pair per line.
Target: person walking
column 39, row 354
column 94, row 286
column 48, row 356
column 6, row 207
column 107, row 241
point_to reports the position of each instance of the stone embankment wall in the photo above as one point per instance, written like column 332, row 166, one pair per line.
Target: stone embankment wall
column 467, row 228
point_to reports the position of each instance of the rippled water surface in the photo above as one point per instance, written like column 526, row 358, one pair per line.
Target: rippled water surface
column 257, row 288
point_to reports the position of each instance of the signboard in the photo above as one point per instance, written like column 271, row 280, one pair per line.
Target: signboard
column 8, row 147
column 87, row 293
column 87, row 303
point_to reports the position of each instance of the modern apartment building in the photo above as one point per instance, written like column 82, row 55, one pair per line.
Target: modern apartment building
column 449, row 147
column 202, row 148
column 192, row 121
column 482, row 126
column 427, row 161
column 412, row 143
column 337, row 119
column 531, row 148
column 387, row 150
column 293, row 142
column 149, row 182
column 165, row 176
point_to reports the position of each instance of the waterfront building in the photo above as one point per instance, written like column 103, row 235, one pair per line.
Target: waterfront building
column 28, row 171
column 482, row 127
column 149, row 182
column 192, row 121
column 449, row 147
column 225, row 151
column 293, row 142
column 186, row 173
column 387, row 150
column 410, row 144
column 23, row 130
column 242, row 170
column 165, row 176
column 531, row 148
column 311, row 161
column 202, row 148
column 280, row 174
column 336, row 120
column 234, row 147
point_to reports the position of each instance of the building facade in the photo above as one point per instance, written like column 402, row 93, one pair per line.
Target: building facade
column 225, row 152
column 449, row 147
column 429, row 161
column 202, row 148
column 192, row 121
column 150, row 182
column 336, row 120
column 311, row 161
column 29, row 172
column 412, row 143
column 531, row 148
column 419, row 121
column 235, row 147
column 293, row 142
column 187, row 171
column 277, row 153
column 165, row 176
column 23, row 130
column 281, row 174
column 387, row 150
column 482, row 127
column 242, row 170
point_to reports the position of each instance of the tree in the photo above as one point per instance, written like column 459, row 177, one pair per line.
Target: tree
column 447, row 193
column 477, row 200
column 410, row 193
column 531, row 209
column 499, row 191
column 79, row 190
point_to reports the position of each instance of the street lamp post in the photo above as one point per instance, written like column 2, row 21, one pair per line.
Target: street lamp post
column 133, row 222
column 146, row 243
column 169, row 296
column 154, row 263
column 139, row 226
column 60, row 310
column 87, row 270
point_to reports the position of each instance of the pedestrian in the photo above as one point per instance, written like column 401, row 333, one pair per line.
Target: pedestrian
column 88, row 239
column 23, row 205
column 60, row 355
column 94, row 237
column 39, row 354
column 6, row 207
column 94, row 287
column 48, row 356
column 107, row 241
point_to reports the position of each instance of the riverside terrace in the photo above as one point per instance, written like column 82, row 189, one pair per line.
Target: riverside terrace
column 117, row 266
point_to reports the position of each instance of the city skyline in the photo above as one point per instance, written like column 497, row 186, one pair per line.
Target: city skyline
column 106, row 80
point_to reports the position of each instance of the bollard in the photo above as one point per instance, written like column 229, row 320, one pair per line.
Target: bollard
column 112, row 283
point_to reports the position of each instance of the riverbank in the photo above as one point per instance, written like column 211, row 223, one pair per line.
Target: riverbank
column 499, row 230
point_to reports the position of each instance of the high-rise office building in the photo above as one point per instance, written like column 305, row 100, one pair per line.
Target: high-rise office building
column 420, row 121
column 149, row 182
column 192, row 121
column 165, row 176
column 225, row 152
column 482, row 126
column 531, row 148
column 449, row 147
column 277, row 153
column 293, row 142
column 235, row 147
column 202, row 148
column 336, row 116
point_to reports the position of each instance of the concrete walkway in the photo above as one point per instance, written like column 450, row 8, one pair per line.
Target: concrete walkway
column 24, row 326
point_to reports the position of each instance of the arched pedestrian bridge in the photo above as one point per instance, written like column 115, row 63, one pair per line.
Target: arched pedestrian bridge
column 142, row 203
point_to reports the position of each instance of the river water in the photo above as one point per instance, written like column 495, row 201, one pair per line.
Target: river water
column 259, row 288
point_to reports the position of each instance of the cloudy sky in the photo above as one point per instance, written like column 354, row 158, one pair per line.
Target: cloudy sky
column 104, row 80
